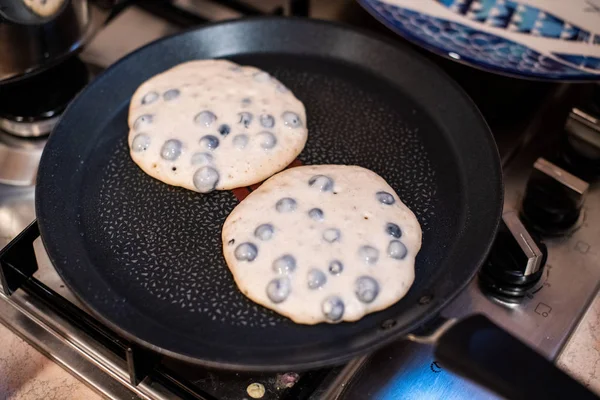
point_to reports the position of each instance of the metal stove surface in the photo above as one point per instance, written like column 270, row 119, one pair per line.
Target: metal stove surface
column 19, row 159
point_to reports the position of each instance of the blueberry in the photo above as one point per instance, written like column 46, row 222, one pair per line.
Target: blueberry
column 316, row 214
column 284, row 265
column 246, row 252
column 336, row 267
column 205, row 118
column 140, row 142
column 264, row 232
column 209, row 142
column 245, row 118
column 224, row 129
column 368, row 254
column 149, row 98
column 261, row 76
column 240, row 141
column 201, row 159
column 321, row 182
column 143, row 120
column 287, row 204
column 396, row 249
column 332, row 235
column 246, row 101
column 267, row 121
column 366, row 289
column 171, row 150
column 393, row 230
column 333, row 308
column 315, row 278
column 206, row 179
column 171, row 94
column 291, row 119
column 279, row 289
column 385, row 198
column 267, row 140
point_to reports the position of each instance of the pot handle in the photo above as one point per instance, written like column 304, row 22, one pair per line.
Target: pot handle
column 481, row 351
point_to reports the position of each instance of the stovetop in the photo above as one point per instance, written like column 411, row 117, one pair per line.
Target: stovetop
column 527, row 119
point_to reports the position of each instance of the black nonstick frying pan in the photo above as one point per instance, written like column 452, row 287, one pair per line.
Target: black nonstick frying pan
column 146, row 257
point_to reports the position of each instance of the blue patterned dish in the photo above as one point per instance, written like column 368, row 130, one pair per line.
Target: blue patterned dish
column 471, row 42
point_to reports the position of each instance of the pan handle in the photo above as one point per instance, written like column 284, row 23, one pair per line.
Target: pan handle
column 481, row 351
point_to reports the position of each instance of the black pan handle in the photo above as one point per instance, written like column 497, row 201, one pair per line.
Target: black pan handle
column 481, row 351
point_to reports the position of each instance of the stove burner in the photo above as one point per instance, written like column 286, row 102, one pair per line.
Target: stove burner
column 32, row 107
column 29, row 110
column 29, row 129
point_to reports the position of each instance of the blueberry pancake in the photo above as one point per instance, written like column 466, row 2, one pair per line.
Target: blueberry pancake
column 214, row 125
column 325, row 243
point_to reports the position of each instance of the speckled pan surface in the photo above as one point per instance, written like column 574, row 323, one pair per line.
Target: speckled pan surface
column 147, row 257
column 323, row 243
column 214, row 125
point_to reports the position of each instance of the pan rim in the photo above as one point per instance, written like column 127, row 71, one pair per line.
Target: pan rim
column 392, row 334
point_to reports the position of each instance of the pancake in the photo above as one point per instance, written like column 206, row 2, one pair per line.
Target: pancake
column 324, row 243
column 214, row 125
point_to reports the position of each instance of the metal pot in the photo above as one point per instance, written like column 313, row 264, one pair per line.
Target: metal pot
column 31, row 42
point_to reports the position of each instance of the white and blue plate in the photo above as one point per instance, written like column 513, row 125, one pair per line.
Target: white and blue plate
column 540, row 39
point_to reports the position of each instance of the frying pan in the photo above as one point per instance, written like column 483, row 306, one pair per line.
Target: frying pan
column 145, row 257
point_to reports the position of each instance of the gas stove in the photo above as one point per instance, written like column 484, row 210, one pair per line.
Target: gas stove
column 538, row 283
